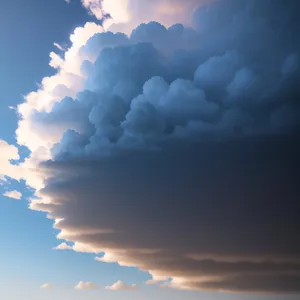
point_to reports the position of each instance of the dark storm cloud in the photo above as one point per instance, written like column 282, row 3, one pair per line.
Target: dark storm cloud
column 225, row 210
column 182, row 158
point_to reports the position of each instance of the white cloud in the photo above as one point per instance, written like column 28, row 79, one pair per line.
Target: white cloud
column 56, row 60
column 127, row 14
column 86, row 286
column 121, row 286
column 59, row 47
column 8, row 153
column 157, row 280
column 2, row 179
column 13, row 194
column 26, row 170
column 77, row 247
column 63, row 246
column 46, row 286
column 95, row 7
column 67, row 82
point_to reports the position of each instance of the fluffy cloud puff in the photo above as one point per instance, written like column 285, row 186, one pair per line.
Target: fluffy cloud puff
column 178, row 153
column 86, row 286
column 121, row 286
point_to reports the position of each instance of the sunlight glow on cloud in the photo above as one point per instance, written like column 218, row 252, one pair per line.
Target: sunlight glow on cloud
column 129, row 13
column 66, row 83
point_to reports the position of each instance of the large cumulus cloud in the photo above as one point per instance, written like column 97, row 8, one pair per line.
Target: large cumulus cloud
column 179, row 152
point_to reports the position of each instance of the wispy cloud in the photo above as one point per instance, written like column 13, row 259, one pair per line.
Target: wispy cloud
column 13, row 194
column 2, row 179
column 59, row 47
column 46, row 286
column 121, row 286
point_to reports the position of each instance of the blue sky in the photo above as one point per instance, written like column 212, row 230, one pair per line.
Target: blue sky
column 29, row 30
column 26, row 255
column 33, row 27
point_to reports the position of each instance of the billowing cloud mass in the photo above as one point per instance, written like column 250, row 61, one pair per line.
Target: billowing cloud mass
column 121, row 286
column 86, row 286
column 176, row 150
column 13, row 194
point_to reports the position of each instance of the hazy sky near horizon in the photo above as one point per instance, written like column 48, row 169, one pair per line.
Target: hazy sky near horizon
column 153, row 161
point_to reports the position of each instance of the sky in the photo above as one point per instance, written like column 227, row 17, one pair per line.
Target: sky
column 149, row 149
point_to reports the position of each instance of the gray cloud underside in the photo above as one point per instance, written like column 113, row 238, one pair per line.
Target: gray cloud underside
column 185, row 143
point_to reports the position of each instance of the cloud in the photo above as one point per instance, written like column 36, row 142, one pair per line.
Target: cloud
column 46, row 286
column 56, row 60
column 64, row 246
column 59, row 47
column 68, row 81
column 2, row 179
column 10, row 165
column 95, row 8
column 175, row 150
column 121, row 286
column 13, row 194
column 158, row 280
column 86, row 286
column 124, row 15
column 8, row 153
